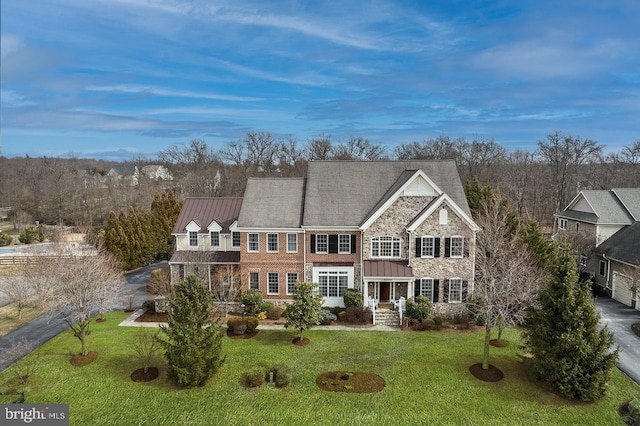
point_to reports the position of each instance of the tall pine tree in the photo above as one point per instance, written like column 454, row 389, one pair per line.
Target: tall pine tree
column 193, row 344
column 568, row 348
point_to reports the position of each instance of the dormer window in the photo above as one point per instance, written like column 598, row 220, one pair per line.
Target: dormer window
column 385, row 247
column 215, row 239
column 193, row 238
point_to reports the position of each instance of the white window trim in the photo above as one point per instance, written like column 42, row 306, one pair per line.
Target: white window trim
column 457, row 256
column 295, row 236
column 562, row 223
column 211, row 234
column 393, row 240
column 249, row 243
column 348, row 251
column 277, row 242
column 233, row 241
column 433, row 247
column 269, row 274
column 600, row 268
column 190, row 240
column 326, row 236
column 317, row 271
column 459, row 281
column 425, row 281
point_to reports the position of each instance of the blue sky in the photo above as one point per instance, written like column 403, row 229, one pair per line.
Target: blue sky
column 121, row 78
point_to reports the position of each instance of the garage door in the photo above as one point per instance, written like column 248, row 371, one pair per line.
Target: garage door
column 621, row 289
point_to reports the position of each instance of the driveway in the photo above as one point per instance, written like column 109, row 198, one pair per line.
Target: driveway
column 618, row 319
column 46, row 327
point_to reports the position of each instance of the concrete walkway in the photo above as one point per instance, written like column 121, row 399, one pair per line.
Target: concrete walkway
column 618, row 319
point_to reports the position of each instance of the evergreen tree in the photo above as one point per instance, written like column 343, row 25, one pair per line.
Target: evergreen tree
column 544, row 249
column 304, row 312
column 568, row 349
column 165, row 210
column 193, row 345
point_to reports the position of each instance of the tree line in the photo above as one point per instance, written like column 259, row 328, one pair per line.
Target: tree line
column 83, row 192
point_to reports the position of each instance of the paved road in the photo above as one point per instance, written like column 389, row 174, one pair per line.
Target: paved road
column 618, row 319
column 44, row 328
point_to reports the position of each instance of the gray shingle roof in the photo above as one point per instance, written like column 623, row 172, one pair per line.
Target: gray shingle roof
column 630, row 198
column 224, row 210
column 624, row 245
column 272, row 203
column 608, row 207
column 344, row 193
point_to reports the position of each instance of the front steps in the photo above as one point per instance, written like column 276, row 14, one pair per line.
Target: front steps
column 387, row 317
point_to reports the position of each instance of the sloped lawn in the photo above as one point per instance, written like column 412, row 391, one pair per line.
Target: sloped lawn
column 427, row 381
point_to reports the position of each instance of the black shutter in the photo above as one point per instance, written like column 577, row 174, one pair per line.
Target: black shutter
column 313, row 243
column 436, row 290
column 418, row 247
column 445, row 296
column 416, row 289
column 447, row 247
column 465, row 286
column 353, row 243
column 333, row 243
column 436, row 247
column 465, row 248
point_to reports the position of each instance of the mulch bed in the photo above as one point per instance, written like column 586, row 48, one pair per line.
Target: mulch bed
column 499, row 344
column 300, row 342
column 80, row 361
column 140, row 376
column 492, row 374
column 350, row 382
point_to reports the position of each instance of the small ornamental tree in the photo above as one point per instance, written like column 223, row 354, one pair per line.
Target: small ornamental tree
column 419, row 308
column 193, row 344
column 304, row 312
column 568, row 348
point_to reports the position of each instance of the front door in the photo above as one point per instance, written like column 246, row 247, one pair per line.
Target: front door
column 385, row 289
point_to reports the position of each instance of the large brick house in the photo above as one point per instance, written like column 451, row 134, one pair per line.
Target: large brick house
column 391, row 229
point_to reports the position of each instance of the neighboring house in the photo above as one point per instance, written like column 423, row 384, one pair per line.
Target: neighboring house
column 620, row 265
column 390, row 229
column 207, row 240
column 153, row 172
column 599, row 214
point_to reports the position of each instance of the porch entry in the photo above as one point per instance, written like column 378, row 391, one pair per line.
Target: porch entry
column 388, row 291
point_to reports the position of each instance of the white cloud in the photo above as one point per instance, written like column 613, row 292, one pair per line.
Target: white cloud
column 158, row 91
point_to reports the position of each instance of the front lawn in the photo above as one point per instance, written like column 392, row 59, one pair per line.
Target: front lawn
column 425, row 373
column 9, row 317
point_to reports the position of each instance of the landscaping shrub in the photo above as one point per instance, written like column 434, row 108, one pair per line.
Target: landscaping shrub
column 31, row 234
column 335, row 310
column 634, row 409
column 437, row 321
column 352, row 297
column 5, row 239
column 327, row 317
column 253, row 378
column 232, row 321
column 275, row 313
column 358, row 315
column 419, row 308
column 261, row 316
column 281, row 375
column 252, row 300
column 266, row 306
column 149, row 305
column 252, row 324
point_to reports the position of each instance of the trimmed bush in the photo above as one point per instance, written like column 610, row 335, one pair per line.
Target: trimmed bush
column 231, row 322
column 252, row 300
column 266, row 306
column 419, row 308
column 253, row 378
column 634, row 408
column 252, row 324
column 352, row 297
column 5, row 239
column 358, row 315
column 438, row 321
column 31, row 234
column 327, row 317
column 275, row 313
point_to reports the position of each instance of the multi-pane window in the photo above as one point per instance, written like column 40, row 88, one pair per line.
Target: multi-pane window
column 562, row 223
column 385, row 247
column 272, row 283
column 235, row 238
column 583, row 260
column 215, row 239
column 457, row 246
column 272, row 242
column 253, row 244
column 193, row 238
column 292, row 280
column 181, row 271
column 455, row 290
column 344, row 243
column 322, row 243
column 428, row 246
column 426, row 288
column 292, row 243
column 254, row 280
column 333, row 283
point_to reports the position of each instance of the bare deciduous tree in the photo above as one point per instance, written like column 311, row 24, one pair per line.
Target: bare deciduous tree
column 146, row 345
column 507, row 281
column 225, row 285
column 80, row 284
column 19, row 290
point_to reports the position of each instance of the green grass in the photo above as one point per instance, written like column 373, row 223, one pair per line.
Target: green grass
column 9, row 317
column 426, row 374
